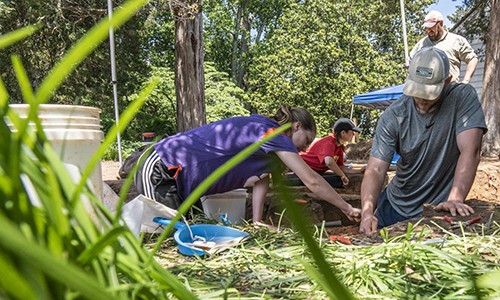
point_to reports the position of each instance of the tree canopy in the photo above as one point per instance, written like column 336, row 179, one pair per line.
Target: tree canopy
column 322, row 53
column 259, row 54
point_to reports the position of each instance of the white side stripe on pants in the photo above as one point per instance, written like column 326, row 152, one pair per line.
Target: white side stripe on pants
column 147, row 171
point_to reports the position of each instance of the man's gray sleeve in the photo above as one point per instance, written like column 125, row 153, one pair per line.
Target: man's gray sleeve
column 384, row 142
column 470, row 112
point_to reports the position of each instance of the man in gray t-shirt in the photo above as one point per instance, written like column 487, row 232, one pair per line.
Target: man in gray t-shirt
column 437, row 129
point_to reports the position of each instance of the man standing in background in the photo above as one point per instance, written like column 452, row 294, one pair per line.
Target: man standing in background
column 456, row 47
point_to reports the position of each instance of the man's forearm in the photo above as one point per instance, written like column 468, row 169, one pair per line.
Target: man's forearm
column 465, row 173
column 469, row 145
column 469, row 71
column 370, row 191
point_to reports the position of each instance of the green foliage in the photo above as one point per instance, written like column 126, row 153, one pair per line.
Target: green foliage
column 318, row 59
column 127, row 148
column 222, row 97
column 63, row 23
column 478, row 21
column 158, row 113
column 226, row 30
column 219, row 32
column 157, row 34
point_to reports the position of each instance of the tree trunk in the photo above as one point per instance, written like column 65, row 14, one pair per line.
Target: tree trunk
column 245, row 34
column 240, row 44
column 189, row 70
column 236, row 37
column 491, row 84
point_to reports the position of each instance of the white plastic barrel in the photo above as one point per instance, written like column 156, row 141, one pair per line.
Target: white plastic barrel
column 232, row 204
column 74, row 132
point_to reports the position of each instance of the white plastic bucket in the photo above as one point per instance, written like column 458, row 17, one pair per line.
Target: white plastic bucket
column 74, row 132
column 232, row 204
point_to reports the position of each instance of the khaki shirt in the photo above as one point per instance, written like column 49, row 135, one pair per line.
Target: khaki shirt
column 456, row 47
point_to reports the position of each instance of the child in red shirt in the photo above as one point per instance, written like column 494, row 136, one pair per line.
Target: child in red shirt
column 327, row 153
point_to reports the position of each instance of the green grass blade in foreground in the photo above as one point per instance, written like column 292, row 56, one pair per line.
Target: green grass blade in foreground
column 84, row 47
column 93, row 250
column 41, row 259
column 489, row 281
column 300, row 224
column 4, row 97
column 12, row 282
column 128, row 183
column 42, row 176
column 315, row 275
column 213, row 177
column 28, row 96
column 170, row 281
column 23, row 80
column 17, row 35
column 125, row 118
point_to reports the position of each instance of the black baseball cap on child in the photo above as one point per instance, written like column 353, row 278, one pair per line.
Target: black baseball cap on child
column 345, row 124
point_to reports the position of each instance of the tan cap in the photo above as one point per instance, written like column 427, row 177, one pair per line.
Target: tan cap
column 432, row 18
column 429, row 68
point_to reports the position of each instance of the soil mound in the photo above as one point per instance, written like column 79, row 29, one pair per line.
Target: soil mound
column 359, row 152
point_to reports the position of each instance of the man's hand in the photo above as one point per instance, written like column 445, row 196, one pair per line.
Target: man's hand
column 368, row 224
column 455, row 207
column 354, row 214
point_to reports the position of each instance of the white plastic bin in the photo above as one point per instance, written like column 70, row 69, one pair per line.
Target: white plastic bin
column 74, row 132
column 232, row 203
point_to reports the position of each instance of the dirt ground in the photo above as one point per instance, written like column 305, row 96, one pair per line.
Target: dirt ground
column 109, row 170
column 484, row 198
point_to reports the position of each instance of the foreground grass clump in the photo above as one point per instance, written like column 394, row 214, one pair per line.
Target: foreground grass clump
column 272, row 266
column 52, row 246
column 55, row 247
column 58, row 241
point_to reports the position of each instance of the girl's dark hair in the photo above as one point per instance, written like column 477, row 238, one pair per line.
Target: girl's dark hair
column 286, row 114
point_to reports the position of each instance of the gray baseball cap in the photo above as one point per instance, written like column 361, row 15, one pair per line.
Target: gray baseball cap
column 429, row 68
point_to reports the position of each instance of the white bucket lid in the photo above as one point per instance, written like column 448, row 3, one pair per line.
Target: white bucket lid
column 45, row 110
column 64, row 122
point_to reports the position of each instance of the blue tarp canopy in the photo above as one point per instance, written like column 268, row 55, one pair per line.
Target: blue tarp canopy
column 379, row 99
